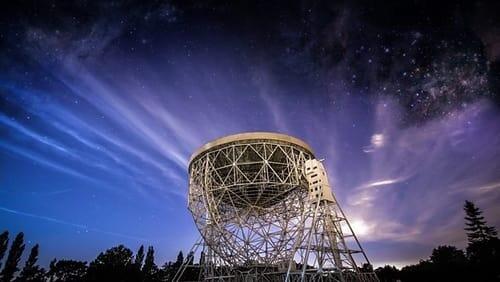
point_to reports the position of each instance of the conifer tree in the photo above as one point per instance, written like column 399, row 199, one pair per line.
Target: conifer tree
column 180, row 259
column 477, row 230
column 15, row 252
column 4, row 242
column 31, row 271
column 149, row 269
column 190, row 258
column 139, row 257
column 51, row 272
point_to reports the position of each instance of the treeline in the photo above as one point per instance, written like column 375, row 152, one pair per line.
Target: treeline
column 479, row 262
column 115, row 264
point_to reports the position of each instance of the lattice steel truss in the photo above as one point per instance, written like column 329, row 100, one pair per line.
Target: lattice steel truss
column 250, row 201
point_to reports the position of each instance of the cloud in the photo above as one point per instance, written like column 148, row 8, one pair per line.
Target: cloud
column 131, row 119
column 381, row 183
column 427, row 171
column 377, row 141
column 43, row 161
column 37, row 137
column 75, row 225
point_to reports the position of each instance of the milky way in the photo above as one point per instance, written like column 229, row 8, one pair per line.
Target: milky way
column 102, row 105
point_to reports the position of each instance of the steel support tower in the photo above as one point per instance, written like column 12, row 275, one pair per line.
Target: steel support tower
column 266, row 212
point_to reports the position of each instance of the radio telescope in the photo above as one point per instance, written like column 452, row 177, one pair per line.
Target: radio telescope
column 265, row 211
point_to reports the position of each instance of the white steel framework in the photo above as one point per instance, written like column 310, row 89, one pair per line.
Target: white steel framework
column 265, row 212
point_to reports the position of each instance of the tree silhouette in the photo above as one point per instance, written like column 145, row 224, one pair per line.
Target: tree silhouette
column 388, row 273
column 190, row 258
column 113, row 265
column 449, row 263
column 67, row 271
column 423, row 271
column 476, row 229
column 4, row 242
column 180, row 259
column 446, row 263
column 31, row 271
column 483, row 250
column 167, row 271
column 15, row 252
column 150, row 270
column 366, row 267
column 444, row 255
column 139, row 257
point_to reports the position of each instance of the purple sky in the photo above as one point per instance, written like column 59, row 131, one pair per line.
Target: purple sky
column 101, row 108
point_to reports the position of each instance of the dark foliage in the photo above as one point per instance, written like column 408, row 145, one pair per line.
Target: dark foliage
column 480, row 262
column 366, row 267
column 447, row 263
column 388, row 273
column 484, row 259
column 4, row 242
column 180, row 259
column 483, row 251
column 168, row 271
column 139, row 258
column 447, row 255
column 476, row 228
column 113, row 265
column 31, row 271
column 67, row 271
column 11, row 264
column 150, row 270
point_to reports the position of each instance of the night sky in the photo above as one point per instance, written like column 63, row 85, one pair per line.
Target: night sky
column 103, row 102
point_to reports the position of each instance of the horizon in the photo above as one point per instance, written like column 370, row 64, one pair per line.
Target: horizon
column 102, row 105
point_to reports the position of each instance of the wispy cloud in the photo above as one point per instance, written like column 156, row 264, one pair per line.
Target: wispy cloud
column 127, row 115
column 486, row 188
column 37, row 137
column 379, row 183
column 97, row 148
column 83, row 227
column 133, row 122
column 435, row 166
column 43, row 161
